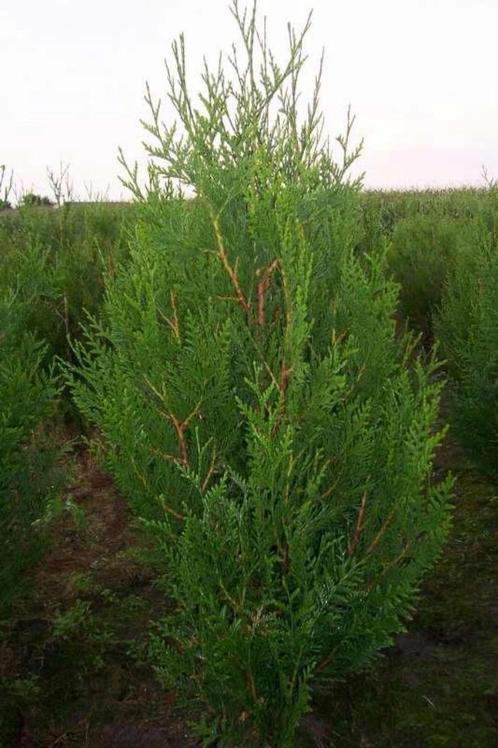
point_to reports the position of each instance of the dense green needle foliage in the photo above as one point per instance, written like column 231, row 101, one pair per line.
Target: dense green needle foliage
column 388, row 208
column 27, row 476
column 423, row 248
column 256, row 406
column 425, row 230
column 467, row 327
column 55, row 260
column 51, row 270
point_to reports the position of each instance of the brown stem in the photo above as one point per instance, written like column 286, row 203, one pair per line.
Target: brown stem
column 389, row 567
column 173, row 512
column 381, row 532
column 174, row 323
column 209, row 472
column 284, row 377
column 232, row 273
column 178, row 425
column 359, row 526
column 262, row 287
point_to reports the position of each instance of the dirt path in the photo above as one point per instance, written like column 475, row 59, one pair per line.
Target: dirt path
column 72, row 659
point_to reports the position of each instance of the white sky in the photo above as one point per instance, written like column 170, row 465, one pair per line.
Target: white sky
column 421, row 75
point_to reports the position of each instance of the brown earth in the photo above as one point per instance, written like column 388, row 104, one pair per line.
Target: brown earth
column 73, row 649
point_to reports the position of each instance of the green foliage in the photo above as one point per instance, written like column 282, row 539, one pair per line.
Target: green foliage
column 56, row 261
column 422, row 251
column 256, row 407
column 32, row 200
column 6, row 185
column 27, row 478
column 468, row 330
column 51, row 270
column 390, row 207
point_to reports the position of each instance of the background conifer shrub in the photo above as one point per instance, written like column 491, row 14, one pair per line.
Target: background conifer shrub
column 56, row 259
column 393, row 206
column 256, row 407
column 467, row 328
column 423, row 249
column 28, row 477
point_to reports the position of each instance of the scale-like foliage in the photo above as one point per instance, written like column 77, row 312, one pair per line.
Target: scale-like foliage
column 56, row 259
column 257, row 409
column 423, row 249
column 467, row 327
column 27, row 478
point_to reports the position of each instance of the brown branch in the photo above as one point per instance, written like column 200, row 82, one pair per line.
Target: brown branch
column 228, row 298
column 180, row 427
column 282, row 386
column 173, row 323
column 359, row 526
column 389, row 567
column 232, row 273
column 284, row 377
column 262, row 287
column 381, row 532
column 333, row 486
column 154, row 389
column 323, row 664
column 210, row 472
column 173, row 512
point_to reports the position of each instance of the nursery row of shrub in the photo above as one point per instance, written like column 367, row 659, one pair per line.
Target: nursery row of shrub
column 446, row 262
column 27, row 458
column 52, row 269
column 56, row 261
column 258, row 404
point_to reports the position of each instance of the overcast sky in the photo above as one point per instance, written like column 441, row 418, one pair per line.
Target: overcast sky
column 421, row 75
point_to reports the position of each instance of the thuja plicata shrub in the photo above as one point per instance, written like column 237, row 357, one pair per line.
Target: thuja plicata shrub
column 28, row 473
column 56, row 259
column 423, row 248
column 467, row 328
column 256, row 407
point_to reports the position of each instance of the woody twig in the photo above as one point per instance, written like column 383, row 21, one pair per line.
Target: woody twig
column 359, row 526
column 262, row 288
column 232, row 272
column 179, row 425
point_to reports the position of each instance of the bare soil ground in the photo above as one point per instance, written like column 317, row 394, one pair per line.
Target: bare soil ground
column 72, row 656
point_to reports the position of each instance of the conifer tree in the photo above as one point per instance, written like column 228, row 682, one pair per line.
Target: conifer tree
column 255, row 405
column 467, row 328
column 27, row 473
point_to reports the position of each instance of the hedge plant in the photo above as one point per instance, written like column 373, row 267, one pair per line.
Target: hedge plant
column 423, row 248
column 56, row 260
column 256, row 407
column 28, row 474
column 467, row 328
